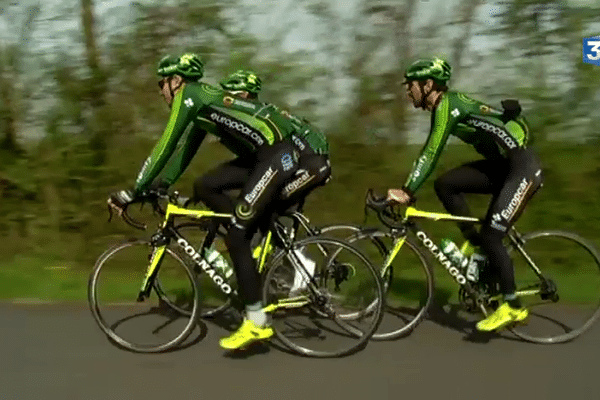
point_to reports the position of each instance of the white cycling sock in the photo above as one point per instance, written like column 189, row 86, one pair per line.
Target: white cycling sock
column 256, row 314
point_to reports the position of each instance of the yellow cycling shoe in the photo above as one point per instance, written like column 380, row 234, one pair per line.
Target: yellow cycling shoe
column 247, row 334
column 503, row 316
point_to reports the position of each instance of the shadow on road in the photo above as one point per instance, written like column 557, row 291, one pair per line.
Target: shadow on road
column 164, row 311
column 446, row 314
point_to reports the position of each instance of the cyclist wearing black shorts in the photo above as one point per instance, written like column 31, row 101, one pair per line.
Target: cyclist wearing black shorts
column 259, row 135
column 510, row 171
column 313, row 148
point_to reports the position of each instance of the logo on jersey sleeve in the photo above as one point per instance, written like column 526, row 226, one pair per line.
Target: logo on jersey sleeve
column 455, row 113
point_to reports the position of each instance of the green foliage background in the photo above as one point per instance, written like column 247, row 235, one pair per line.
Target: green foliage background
column 101, row 112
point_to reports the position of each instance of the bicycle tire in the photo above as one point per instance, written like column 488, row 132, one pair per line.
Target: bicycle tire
column 583, row 245
column 329, row 229
column 376, row 314
column 108, row 330
column 375, row 236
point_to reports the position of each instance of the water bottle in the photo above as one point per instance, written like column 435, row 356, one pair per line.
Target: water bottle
column 218, row 262
column 451, row 250
column 300, row 280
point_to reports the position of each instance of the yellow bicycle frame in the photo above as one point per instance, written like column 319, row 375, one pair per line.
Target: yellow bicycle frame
column 176, row 211
column 412, row 212
column 171, row 212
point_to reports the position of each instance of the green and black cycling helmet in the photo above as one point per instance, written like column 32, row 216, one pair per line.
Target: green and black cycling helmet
column 189, row 66
column 429, row 68
column 247, row 81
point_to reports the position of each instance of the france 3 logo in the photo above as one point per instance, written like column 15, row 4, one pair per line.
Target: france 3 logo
column 591, row 50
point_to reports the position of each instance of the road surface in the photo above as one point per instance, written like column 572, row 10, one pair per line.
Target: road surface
column 57, row 352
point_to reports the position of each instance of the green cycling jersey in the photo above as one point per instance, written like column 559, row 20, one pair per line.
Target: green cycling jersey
column 242, row 125
column 315, row 137
column 475, row 123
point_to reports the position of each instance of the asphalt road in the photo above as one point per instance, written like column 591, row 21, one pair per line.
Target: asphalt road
column 57, row 352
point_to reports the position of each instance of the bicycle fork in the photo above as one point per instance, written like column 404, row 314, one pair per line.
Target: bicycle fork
column 151, row 272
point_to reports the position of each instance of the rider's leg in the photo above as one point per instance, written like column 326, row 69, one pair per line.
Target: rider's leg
column 314, row 171
column 276, row 165
column 481, row 176
column 524, row 179
column 210, row 188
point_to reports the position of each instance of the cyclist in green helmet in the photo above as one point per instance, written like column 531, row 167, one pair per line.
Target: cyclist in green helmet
column 246, row 84
column 312, row 145
column 509, row 171
column 267, row 159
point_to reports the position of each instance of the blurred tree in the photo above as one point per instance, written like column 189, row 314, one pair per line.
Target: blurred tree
column 466, row 14
column 540, row 35
column 13, row 82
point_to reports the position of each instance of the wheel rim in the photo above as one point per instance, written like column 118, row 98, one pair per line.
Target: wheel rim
column 306, row 329
column 572, row 266
column 138, row 327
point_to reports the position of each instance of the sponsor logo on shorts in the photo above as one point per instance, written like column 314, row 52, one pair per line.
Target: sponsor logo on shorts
column 516, row 200
column 287, row 162
column 260, row 186
column 297, row 183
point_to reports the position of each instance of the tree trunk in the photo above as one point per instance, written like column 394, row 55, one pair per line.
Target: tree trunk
column 98, row 81
column 403, row 53
column 467, row 14
column 8, row 119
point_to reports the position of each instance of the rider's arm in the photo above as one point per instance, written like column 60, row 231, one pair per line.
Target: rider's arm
column 181, row 113
column 182, row 159
column 441, row 125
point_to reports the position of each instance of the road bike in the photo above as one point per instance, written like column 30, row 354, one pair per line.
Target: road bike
column 334, row 299
column 557, row 275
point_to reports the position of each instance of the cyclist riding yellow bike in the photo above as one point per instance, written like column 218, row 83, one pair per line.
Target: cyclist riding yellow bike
column 260, row 135
column 510, row 171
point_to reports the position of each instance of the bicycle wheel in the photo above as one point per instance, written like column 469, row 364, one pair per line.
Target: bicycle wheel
column 565, row 302
column 329, row 317
column 213, row 300
column 113, row 289
column 408, row 282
